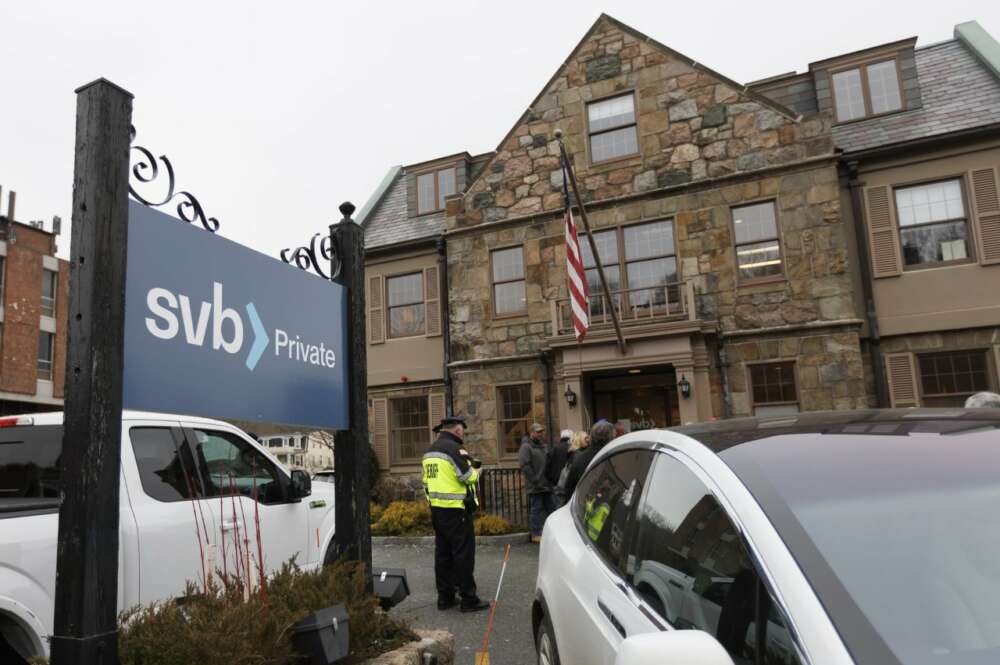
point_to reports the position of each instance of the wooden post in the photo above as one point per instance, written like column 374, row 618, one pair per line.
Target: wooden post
column 86, row 603
column 353, row 538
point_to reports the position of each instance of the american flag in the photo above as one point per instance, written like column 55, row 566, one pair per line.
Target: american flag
column 576, row 278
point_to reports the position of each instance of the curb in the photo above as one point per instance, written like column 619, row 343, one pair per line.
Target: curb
column 509, row 538
column 439, row 644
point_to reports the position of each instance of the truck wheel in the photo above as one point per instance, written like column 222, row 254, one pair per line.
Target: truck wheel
column 548, row 653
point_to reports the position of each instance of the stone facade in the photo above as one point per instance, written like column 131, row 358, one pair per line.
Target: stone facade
column 705, row 146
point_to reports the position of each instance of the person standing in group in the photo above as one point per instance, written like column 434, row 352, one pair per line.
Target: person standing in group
column 449, row 476
column 533, row 458
column 600, row 435
column 558, row 454
column 577, row 442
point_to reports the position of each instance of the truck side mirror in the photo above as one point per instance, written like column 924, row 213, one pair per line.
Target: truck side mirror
column 673, row 646
column 300, row 485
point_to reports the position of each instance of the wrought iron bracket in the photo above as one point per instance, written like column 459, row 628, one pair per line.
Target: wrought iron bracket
column 306, row 258
column 146, row 169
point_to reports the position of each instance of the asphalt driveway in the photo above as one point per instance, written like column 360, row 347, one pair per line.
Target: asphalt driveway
column 511, row 641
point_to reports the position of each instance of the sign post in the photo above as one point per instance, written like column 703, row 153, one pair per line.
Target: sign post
column 86, row 603
column 352, row 538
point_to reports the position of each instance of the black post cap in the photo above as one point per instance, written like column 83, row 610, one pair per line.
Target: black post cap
column 347, row 209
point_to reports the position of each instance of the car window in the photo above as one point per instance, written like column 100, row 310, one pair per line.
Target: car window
column 606, row 498
column 29, row 462
column 233, row 466
column 690, row 566
column 166, row 471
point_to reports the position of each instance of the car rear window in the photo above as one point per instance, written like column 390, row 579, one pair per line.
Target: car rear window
column 29, row 465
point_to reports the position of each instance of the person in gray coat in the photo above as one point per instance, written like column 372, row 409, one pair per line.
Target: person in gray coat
column 533, row 458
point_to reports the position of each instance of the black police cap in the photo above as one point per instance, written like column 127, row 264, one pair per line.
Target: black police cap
column 448, row 422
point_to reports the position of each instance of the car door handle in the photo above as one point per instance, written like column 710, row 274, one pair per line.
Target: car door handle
column 611, row 618
column 676, row 584
column 229, row 525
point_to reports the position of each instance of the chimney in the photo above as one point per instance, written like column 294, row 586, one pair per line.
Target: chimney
column 11, row 200
column 56, row 225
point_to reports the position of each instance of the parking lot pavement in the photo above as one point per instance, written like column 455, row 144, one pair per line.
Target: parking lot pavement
column 511, row 642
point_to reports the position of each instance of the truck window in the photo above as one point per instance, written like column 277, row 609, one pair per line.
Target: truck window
column 166, row 472
column 29, row 462
column 231, row 465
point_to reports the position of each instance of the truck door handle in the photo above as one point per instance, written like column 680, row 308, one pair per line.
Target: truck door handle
column 229, row 525
column 611, row 618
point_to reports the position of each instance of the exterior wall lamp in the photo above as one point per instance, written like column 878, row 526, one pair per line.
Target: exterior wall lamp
column 570, row 397
column 685, row 387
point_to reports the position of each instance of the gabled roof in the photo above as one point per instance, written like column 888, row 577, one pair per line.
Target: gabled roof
column 755, row 96
column 959, row 93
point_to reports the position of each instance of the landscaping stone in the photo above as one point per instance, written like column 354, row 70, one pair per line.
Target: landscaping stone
column 437, row 643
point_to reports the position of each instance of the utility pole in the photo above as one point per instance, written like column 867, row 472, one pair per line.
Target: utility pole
column 353, row 538
column 86, row 604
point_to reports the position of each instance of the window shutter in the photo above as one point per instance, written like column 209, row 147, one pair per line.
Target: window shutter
column 883, row 235
column 986, row 213
column 380, row 430
column 902, row 377
column 432, row 301
column 376, row 310
column 435, row 411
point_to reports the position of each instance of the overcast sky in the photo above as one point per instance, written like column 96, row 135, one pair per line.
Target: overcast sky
column 273, row 113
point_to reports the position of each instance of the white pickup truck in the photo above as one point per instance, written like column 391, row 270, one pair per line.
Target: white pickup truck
column 172, row 469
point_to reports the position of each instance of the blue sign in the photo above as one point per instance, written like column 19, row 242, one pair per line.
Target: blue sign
column 216, row 329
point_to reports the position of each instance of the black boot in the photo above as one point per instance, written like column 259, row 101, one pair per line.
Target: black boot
column 446, row 603
column 474, row 604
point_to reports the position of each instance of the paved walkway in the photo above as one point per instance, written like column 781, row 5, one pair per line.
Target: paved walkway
column 511, row 642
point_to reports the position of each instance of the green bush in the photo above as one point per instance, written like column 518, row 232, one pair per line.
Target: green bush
column 492, row 525
column 404, row 518
column 223, row 627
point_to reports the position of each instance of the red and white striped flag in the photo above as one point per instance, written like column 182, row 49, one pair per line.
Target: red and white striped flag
column 576, row 277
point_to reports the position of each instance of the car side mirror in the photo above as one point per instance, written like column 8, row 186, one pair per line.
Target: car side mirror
column 674, row 646
column 300, row 485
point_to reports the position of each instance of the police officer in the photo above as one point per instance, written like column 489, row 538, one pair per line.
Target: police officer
column 450, row 476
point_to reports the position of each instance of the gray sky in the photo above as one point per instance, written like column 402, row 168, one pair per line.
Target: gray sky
column 273, row 113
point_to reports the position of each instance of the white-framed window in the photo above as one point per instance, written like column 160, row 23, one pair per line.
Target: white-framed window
column 50, row 280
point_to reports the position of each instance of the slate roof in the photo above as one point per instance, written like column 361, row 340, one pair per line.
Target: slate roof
column 388, row 223
column 958, row 93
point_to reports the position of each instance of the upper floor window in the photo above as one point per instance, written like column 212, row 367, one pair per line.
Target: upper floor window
column 46, row 341
column 649, row 256
column 758, row 245
column 772, row 389
column 611, row 128
column 870, row 89
column 508, row 281
column 50, row 279
column 406, row 304
column 933, row 225
column 433, row 187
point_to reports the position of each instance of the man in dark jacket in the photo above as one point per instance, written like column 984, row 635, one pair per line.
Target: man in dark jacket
column 534, row 460
column 557, row 460
column 449, row 479
column 600, row 435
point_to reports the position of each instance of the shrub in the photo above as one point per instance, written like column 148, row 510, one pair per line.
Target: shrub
column 492, row 525
column 375, row 510
column 404, row 518
column 222, row 627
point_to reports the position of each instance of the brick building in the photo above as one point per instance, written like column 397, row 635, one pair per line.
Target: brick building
column 34, row 294
column 736, row 225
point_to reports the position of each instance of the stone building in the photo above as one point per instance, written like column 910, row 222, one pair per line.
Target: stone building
column 919, row 135
column 734, row 223
column 34, row 295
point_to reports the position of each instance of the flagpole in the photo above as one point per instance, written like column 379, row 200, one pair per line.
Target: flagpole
column 568, row 170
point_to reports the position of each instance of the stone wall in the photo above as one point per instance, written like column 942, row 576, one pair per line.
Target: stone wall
column 692, row 124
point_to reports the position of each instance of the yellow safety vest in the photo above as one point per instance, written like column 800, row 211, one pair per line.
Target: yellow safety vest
column 444, row 484
column 595, row 519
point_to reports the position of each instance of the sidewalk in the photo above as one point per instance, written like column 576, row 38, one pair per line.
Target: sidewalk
column 511, row 642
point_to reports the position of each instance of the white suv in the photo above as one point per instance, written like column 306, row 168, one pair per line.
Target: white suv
column 788, row 541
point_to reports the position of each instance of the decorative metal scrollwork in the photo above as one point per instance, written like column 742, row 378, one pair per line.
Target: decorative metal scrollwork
column 147, row 169
column 305, row 258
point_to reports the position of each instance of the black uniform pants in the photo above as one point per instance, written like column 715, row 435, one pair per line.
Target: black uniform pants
column 454, row 552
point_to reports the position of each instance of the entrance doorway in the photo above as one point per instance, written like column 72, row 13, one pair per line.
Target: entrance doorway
column 641, row 398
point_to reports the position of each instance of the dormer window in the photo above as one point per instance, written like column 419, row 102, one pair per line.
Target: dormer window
column 866, row 90
column 433, row 187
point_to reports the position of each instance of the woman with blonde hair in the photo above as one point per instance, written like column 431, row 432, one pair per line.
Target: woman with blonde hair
column 577, row 441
